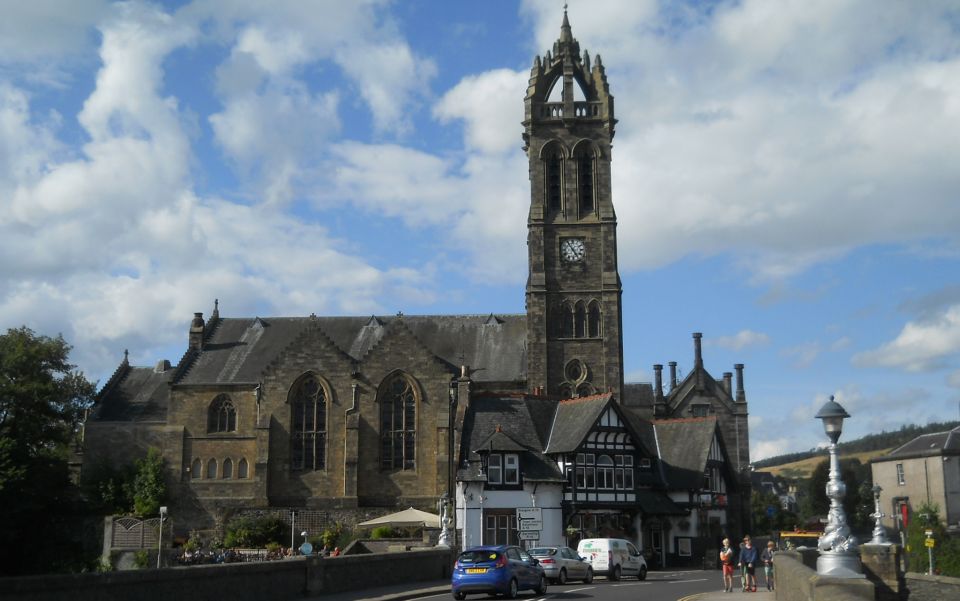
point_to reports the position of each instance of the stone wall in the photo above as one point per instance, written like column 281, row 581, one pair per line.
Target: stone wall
column 796, row 582
column 921, row 587
column 276, row 580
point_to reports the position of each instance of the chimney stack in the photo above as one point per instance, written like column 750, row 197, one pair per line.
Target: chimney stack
column 673, row 375
column 727, row 382
column 698, row 358
column 741, row 395
column 196, row 332
column 658, row 404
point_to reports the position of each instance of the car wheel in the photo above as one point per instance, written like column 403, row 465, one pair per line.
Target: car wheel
column 512, row 591
column 542, row 587
column 589, row 577
column 562, row 578
column 615, row 574
column 459, row 596
column 643, row 573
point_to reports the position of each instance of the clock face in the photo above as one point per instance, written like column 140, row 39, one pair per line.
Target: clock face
column 572, row 250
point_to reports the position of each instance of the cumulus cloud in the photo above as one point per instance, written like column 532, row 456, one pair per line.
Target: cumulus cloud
column 802, row 355
column 923, row 345
column 740, row 340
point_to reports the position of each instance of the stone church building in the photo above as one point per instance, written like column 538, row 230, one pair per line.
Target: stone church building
column 350, row 417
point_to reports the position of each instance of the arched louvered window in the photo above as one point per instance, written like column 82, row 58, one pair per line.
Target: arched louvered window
column 196, row 469
column 211, row 469
column 398, row 418
column 566, row 320
column 308, row 408
column 580, row 320
column 554, row 175
column 222, row 415
column 585, row 183
column 227, row 469
column 593, row 320
column 242, row 469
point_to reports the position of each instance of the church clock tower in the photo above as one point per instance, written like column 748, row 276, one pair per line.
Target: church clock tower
column 573, row 296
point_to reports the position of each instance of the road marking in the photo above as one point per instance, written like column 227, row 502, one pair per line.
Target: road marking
column 691, row 580
column 577, row 590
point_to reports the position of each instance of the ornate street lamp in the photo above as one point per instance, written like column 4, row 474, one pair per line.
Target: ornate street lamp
column 879, row 532
column 838, row 548
column 163, row 515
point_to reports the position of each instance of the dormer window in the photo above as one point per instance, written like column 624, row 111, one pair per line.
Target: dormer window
column 503, row 468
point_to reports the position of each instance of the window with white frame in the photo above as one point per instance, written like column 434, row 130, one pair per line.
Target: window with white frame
column 901, row 480
column 511, row 469
column 495, row 469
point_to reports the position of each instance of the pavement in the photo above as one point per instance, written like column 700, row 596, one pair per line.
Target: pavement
column 762, row 594
column 401, row 592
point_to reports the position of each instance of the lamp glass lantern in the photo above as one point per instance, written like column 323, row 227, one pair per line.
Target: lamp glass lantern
column 832, row 415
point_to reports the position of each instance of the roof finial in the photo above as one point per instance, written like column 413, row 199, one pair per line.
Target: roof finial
column 126, row 357
column 565, row 34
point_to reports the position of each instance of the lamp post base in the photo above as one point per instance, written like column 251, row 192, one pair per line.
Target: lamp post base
column 839, row 565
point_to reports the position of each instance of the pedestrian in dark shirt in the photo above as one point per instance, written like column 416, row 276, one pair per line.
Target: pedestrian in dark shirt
column 748, row 560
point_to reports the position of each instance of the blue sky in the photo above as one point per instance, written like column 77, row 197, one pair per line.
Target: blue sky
column 785, row 178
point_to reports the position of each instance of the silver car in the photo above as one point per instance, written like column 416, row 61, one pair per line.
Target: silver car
column 561, row 564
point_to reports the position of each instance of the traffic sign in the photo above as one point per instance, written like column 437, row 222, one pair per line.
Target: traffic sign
column 529, row 513
column 529, row 534
column 531, row 525
column 929, row 542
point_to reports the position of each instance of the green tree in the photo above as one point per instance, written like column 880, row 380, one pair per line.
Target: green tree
column 149, row 485
column 946, row 553
column 853, row 473
column 42, row 401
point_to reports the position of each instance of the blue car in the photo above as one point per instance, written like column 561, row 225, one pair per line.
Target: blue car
column 500, row 570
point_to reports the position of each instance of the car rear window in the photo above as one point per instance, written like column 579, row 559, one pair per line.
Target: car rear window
column 478, row 556
column 542, row 551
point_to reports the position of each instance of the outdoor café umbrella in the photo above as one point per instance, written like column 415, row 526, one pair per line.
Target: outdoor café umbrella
column 408, row 518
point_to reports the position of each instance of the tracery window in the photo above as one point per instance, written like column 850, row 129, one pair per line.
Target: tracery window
column 398, row 430
column 554, row 181
column 593, row 320
column 308, row 407
column 585, row 183
column 222, row 415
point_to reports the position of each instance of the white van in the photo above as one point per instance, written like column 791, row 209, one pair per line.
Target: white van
column 613, row 557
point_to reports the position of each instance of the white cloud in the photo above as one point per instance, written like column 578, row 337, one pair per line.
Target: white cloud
column 761, row 449
column 485, row 103
column 920, row 346
column 740, row 340
column 803, row 355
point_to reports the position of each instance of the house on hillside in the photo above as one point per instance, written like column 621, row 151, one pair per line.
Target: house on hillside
column 924, row 470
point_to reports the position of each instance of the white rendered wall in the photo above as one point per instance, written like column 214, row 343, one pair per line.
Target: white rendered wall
column 471, row 504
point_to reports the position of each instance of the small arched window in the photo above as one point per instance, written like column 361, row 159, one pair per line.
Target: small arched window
column 585, row 183
column 580, row 320
column 211, row 469
column 605, row 472
column 308, row 407
column 227, row 469
column 222, row 416
column 196, row 468
column 566, row 320
column 398, row 423
column 554, row 176
column 242, row 469
column 593, row 320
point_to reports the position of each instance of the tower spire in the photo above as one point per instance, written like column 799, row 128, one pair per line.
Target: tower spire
column 566, row 35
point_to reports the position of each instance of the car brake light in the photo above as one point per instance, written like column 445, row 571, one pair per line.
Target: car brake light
column 548, row 560
column 501, row 562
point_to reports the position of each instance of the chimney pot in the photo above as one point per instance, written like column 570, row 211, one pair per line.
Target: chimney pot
column 673, row 374
column 741, row 395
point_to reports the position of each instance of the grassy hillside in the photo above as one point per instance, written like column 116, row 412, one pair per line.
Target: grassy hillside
column 803, row 468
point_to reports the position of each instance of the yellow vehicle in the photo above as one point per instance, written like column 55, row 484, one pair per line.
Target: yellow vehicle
column 793, row 539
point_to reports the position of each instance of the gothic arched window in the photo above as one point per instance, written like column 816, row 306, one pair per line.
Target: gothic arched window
column 227, row 469
column 580, row 320
column 211, row 469
column 242, row 469
column 222, row 415
column 398, row 423
column 585, row 183
column 196, row 468
column 554, row 175
column 593, row 320
column 308, row 431
column 566, row 320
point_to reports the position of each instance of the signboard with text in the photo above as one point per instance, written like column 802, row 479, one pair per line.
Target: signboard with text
column 529, row 513
column 531, row 525
column 529, row 535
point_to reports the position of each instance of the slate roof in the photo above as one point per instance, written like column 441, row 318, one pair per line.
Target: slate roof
column 137, row 394
column 926, row 445
column 574, row 420
column 684, row 447
column 507, row 423
column 638, row 395
column 238, row 350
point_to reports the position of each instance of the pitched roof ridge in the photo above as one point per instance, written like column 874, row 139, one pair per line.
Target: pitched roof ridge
column 592, row 397
column 183, row 366
column 118, row 375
